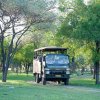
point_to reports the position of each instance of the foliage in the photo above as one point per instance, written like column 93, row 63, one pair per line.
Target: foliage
column 16, row 18
column 25, row 54
column 40, row 38
column 82, row 23
column 23, row 57
column 76, row 49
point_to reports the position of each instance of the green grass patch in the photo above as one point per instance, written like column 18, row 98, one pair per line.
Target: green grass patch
column 22, row 87
column 84, row 81
column 18, row 79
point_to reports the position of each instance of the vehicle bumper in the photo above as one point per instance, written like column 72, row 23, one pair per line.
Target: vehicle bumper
column 56, row 77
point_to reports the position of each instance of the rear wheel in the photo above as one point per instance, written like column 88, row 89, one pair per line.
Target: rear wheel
column 37, row 78
column 44, row 81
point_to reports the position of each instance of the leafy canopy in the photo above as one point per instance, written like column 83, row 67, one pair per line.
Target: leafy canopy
column 83, row 21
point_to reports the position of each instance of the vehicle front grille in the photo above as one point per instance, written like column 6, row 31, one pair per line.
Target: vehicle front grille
column 58, row 72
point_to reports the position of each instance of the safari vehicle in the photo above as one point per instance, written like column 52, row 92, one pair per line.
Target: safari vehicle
column 51, row 64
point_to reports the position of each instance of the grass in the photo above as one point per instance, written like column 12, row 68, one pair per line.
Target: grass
column 84, row 81
column 22, row 87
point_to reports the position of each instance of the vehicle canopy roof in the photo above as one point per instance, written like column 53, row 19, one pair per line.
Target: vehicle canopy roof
column 50, row 49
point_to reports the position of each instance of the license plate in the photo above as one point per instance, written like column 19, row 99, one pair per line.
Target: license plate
column 58, row 75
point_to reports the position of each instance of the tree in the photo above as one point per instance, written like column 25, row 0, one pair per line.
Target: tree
column 9, row 23
column 17, row 61
column 16, row 17
column 83, row 23
column 28, row 56
column 24, row 56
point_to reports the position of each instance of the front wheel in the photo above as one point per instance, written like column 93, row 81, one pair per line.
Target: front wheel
column 66, row 81
column 58, row 82
column 44, row 81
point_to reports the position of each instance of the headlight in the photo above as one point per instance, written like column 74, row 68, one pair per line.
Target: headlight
column 68, row 71
column 47, row 72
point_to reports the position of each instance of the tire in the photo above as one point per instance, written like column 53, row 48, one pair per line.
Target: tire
column 37, row 78
column 58, row 82
column 66, row 81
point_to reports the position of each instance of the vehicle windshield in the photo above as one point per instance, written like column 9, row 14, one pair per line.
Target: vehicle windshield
column 57, row 59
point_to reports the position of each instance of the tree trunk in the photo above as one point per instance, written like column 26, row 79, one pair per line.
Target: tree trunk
column 94, row 73
column 27, row 65
column 97, row 62
column 4, row 67
column 82, row 71
column 17, row 70
column 4, row 74
column 97, row 72
column 73, row 65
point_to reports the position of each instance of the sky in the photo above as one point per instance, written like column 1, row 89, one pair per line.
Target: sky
column 86, row 1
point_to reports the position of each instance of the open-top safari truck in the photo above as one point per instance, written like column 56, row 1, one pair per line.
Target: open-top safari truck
column 51, row 64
